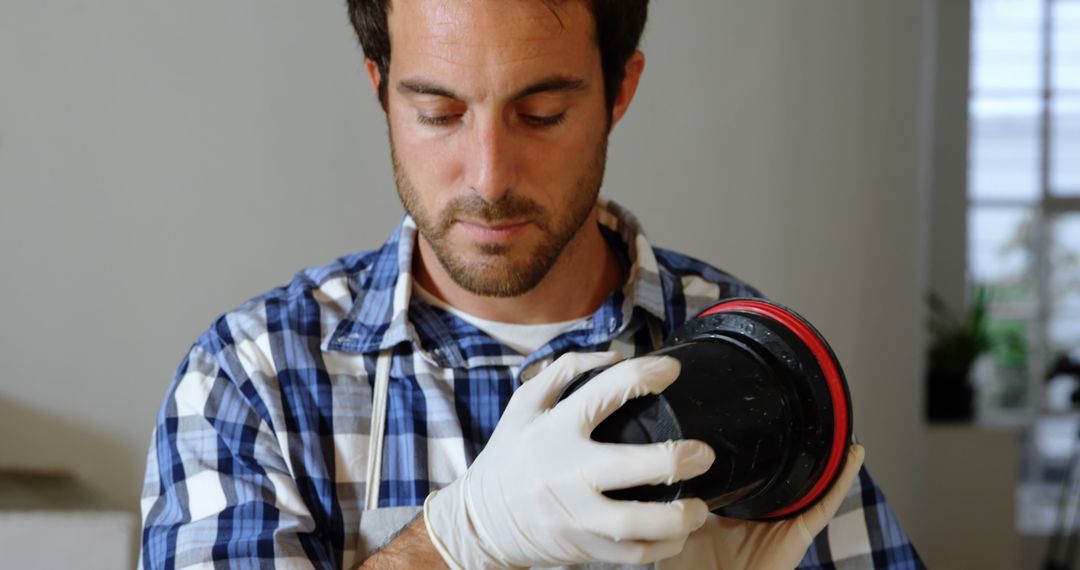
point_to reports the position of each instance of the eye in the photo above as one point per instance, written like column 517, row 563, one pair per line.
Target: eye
column 544, row 120
column 437, row 120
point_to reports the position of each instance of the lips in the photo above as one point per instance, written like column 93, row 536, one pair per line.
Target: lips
column 500, row 232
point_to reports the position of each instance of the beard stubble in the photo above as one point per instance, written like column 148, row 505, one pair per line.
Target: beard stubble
column 503, row 270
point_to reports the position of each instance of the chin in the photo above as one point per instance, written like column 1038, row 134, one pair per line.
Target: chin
column 500, row 276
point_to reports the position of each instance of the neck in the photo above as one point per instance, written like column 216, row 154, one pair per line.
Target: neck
column 582, row 277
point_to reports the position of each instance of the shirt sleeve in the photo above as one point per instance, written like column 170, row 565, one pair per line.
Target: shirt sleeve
column 865, row 533
column 218, row 490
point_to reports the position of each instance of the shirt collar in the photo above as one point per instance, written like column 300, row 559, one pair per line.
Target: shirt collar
column 380, row 318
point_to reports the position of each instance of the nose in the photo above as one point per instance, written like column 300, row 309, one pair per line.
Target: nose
column 490, row 159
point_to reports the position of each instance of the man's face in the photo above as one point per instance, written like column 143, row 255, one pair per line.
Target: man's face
column 498, row 132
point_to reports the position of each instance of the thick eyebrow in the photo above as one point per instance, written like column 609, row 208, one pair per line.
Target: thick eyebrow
column 420, row 87
column 557, row 83
column 552, row 84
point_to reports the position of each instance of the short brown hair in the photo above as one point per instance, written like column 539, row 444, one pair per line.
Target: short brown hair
column 619, row 25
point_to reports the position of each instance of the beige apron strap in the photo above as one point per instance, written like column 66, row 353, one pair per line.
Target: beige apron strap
column 377, row 432
column 654, row 333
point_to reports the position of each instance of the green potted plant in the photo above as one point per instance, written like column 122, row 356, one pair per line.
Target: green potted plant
column 956, row 341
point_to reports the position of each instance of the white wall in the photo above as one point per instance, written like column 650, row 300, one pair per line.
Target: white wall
column 161, row 162
column 948, row 195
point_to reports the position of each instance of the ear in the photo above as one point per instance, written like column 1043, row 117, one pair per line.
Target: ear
column 373, row 75
column 632, row 73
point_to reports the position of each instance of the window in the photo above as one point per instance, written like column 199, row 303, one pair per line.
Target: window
column 1024, row 225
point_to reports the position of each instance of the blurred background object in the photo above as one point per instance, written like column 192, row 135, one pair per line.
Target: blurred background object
column 1023, row 243
column 53, row 520
column 957, row 339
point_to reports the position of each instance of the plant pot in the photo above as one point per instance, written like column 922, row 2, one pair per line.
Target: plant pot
column 949, row 398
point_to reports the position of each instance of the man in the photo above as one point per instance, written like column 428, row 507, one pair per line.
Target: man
column 310, row 427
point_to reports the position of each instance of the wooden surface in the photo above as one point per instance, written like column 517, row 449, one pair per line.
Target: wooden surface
column 52, row 520
column 23, row 490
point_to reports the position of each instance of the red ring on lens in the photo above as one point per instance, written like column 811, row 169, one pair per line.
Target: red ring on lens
column 833, row 380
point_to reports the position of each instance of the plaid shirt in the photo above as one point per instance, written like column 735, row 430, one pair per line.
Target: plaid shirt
column 260, row 452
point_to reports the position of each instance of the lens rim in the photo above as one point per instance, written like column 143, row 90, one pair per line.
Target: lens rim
column 834, row 377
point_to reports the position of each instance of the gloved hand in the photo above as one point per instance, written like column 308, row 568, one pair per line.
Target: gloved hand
column 533, row 497
column 729, row 544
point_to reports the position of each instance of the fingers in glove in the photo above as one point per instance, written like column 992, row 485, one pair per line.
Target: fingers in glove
column 622, row 465
column 831, row 501
column 612, row 388
column 636, row 552
column 540, row 392
column 624, row 521
column 815, row 518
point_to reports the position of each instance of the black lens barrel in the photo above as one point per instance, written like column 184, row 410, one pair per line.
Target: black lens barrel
column 752, row 386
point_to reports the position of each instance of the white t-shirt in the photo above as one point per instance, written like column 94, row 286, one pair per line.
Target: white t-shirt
column 525, row 339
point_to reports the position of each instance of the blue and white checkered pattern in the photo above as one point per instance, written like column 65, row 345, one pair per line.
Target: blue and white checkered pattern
column 260, row 451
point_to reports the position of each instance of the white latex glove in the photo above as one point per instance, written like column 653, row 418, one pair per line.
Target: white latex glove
column 733, row 544
column 533, row 495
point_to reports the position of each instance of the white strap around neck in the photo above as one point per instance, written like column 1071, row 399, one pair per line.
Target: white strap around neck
column 377, row 431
